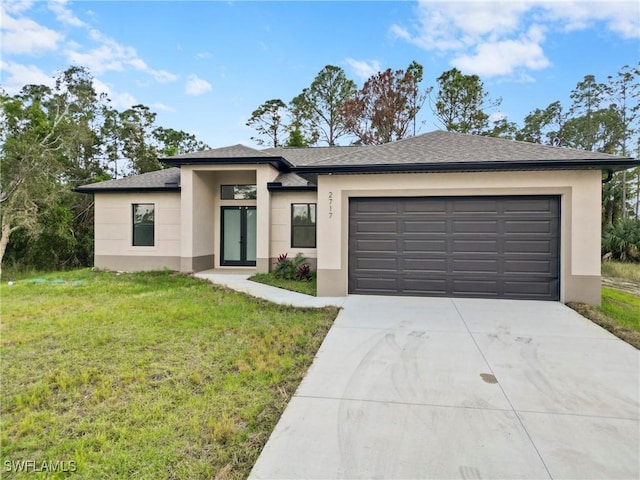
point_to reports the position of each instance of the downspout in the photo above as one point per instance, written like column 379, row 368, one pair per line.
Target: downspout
column 609, row 177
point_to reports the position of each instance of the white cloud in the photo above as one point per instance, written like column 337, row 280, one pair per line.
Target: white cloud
column 506, row 38
column 17, row 6
column 203, row 55
column 196, row 86
column 15, row 76
column 163, row 107
column 362, row 68
column 63, row 14
column 110, row 55
column 120, row 100
column 505, row 56
column 24, row 36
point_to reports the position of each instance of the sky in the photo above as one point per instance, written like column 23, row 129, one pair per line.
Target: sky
column 205, row 66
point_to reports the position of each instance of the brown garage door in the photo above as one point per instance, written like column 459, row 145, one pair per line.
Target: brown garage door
column 492, row 247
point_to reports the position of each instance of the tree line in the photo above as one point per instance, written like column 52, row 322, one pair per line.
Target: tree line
column 56, row 138
column 602, row 116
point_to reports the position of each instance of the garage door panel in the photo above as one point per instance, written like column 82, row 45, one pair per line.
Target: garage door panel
column 528, row 246
column 364, row 264
column 424, row 245
column 475, row 226
column 433, row 226
column 377, row 245
column 424, row 265
column 532, row 206
column 475, row 266
column 528, row 226
column 529, row 266
column 422, row 286
column 390, row 226
column 474, row 205
column 497, row 247
column 470, row 246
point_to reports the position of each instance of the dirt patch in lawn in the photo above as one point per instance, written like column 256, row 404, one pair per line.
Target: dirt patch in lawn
column 623, row 285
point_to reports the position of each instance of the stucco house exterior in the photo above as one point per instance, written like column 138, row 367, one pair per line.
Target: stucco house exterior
column 439, row 214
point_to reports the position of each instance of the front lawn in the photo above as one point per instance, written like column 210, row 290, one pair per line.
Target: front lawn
column 148, row 375
column 307, row 287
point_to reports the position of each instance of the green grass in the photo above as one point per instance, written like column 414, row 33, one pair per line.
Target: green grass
column 622, row 308
column 622, row 270
column 307, row 287
column 149, row 375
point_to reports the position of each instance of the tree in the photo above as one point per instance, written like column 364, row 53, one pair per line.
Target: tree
column 320, row 105
column 624, row 89
column 268, row 120
column 461, row 101
column 543, row 126
column 386, row 106
column 31, row 141
column 136, row 134
column 171, row 142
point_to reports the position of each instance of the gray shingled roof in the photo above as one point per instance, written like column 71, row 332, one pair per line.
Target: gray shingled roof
column 310, row 155
column 167, row 179
column 234, row 151
column 430, row 151
column 449, row 147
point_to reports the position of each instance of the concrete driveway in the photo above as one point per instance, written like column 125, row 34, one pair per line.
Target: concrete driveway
column 442, row 388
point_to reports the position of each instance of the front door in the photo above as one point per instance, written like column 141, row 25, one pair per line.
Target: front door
column 238, row 232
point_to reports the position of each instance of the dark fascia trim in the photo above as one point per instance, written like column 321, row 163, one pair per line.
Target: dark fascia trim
column 278, row 187
column 277, row 162
column 622, row 164
column 125, row 189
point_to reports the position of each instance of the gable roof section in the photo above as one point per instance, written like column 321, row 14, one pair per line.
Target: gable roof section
column 238, row 154
column 443, row 151
column 160, row 180
column 437, row 151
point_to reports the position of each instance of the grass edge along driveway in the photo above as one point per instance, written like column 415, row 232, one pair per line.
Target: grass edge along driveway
column 147, row 375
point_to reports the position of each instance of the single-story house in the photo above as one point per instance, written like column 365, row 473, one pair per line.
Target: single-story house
column 439, row 214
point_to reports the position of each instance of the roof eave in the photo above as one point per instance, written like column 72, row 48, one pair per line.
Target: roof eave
column 279, row 163
column 278, row 187
column 88, row 189
column 604, row 165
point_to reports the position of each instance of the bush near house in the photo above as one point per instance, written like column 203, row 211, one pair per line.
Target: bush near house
column 621, row 241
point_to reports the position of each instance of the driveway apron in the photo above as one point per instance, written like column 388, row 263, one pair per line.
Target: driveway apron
column 407, row 387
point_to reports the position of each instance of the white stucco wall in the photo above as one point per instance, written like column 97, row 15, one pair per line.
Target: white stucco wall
column 114, row 231
column 281, row 223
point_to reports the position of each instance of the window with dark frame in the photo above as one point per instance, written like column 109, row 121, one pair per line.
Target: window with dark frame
column 143, row 224
column 238, row 192
column 303, row 225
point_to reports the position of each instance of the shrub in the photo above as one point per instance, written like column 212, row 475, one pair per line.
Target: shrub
column 621, row 241
column 292, row 269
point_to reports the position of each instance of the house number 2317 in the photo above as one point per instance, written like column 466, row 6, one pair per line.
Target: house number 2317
column 330, row 204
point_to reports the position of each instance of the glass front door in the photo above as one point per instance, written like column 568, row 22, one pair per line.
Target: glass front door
column 238, row 232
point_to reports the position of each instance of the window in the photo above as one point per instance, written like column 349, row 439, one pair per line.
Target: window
column 238, row 192
column 143, row 224
column 303, row 225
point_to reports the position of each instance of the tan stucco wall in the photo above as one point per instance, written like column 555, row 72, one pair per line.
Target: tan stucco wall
column 281, row 224
column 580, row 217
column 201, row 195
column 114, row 248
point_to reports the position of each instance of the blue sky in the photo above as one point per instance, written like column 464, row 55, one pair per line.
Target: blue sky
column 204, row 66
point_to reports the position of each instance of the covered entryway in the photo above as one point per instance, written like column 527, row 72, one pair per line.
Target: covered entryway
column 484, row 246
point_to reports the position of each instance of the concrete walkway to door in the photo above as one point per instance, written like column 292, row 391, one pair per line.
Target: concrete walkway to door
column 409, row 388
